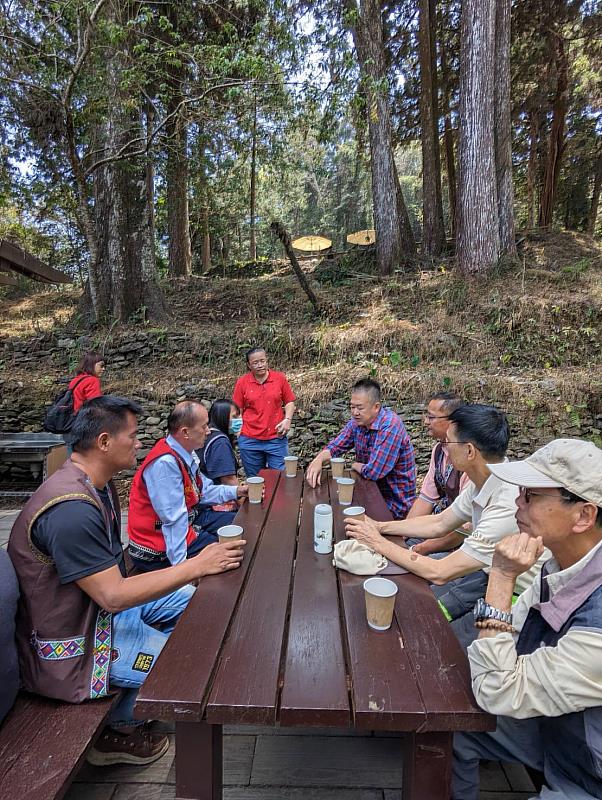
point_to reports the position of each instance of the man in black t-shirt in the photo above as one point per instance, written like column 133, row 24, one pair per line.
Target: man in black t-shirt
column 81, row 538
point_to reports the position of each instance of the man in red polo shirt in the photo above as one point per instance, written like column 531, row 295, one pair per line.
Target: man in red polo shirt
column 267, row 405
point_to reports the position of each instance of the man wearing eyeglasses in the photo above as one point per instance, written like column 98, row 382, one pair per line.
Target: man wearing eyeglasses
column 538, row 664
column 443, row 482
column 477, row 437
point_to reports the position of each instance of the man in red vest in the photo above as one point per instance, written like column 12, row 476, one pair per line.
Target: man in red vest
column 165, row 522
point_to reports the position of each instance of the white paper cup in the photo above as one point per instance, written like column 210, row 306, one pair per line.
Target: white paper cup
column 337, row 465
column 255, row 489
column 380, row 602
column 345, row 486
column 354, row 512
column 229, row 533
column 290, row 465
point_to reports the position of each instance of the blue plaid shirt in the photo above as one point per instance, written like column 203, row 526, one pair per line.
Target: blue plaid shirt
column 386, row 451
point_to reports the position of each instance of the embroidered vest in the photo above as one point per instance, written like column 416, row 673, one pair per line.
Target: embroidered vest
column 144, row 525
column 63, row 637
column 576, row 605
column 447, row 481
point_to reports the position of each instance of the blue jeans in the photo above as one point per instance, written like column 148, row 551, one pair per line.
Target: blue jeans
column 257, row 454
column 139, row 635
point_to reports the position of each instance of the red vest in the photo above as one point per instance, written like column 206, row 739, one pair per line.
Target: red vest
column 144, row 526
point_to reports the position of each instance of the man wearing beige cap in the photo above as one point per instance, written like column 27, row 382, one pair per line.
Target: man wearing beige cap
column 538, row 665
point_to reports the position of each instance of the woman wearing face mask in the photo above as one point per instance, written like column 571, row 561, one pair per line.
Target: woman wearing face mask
column 218, row 461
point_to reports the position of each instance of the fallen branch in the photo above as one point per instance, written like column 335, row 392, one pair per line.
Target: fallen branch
column 284, row 236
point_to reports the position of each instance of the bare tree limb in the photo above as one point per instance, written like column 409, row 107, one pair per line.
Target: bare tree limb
column 284, row 236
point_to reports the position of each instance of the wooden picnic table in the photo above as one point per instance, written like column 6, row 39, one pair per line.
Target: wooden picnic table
column 283, row 641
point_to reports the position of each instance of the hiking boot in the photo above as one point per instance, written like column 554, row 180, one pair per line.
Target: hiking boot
column 139, row 747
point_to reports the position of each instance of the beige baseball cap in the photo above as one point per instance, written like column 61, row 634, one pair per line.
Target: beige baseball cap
column 572, row 464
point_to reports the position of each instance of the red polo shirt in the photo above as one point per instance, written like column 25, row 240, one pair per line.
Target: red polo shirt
column 261, row 403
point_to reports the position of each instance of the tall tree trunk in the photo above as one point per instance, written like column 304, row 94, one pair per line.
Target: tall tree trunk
column 448, row 138
column 532, row 166
column 393, row 245
column 123, row 215
column 206, row 241
column 252, row 242
column 503, row 128
column 478, row 242
column 433, row 229
column 593, row 209
column 556, row 144
column 178, row 223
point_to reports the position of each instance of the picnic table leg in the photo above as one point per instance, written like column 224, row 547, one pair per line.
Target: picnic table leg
column 427, row 763
column 198, row 761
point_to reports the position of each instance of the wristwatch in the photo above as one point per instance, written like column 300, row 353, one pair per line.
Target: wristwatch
column 483, row 611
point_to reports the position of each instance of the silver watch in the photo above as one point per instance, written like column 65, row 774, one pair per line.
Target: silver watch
column 483, row 611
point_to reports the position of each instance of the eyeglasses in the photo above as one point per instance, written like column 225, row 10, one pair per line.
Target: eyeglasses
column 529, row 493
column 434, row 416
column 454, row 441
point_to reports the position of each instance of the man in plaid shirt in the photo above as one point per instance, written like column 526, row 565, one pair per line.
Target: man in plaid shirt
column 383, row 450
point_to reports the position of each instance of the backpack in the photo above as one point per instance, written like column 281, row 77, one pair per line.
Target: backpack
column 59, row 418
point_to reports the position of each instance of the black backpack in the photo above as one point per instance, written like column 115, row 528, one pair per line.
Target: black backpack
column 60, row 416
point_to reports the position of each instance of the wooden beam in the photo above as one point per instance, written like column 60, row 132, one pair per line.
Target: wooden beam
column 18, row 260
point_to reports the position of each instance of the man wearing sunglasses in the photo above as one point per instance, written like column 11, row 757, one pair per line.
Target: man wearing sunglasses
column 538, row 664
column 477, row 436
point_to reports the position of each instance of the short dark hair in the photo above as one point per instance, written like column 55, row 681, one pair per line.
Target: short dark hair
column 253, row 350
column 88, row 362
column 219, row 414
column 106, row 414
column 450, row 401
column 486, row 427
column 182, row 415
column 369, row 386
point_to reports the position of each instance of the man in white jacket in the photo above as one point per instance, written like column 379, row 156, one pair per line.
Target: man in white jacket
column 538, row 665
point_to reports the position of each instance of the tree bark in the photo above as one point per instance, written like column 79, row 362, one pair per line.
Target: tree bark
column 394, row 243
column 178, row 225
column 123, row 215
column 593, row 209
column 285, row 238
column 503, row 129
column 433, row 229
column 448, row 138
column 206, row 241
column 253, row 199
column 478, row 241
column 532, row 166
column 556, row 144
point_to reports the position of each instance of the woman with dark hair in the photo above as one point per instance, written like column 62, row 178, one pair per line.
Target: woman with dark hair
column 86, row 383
column 217, row 459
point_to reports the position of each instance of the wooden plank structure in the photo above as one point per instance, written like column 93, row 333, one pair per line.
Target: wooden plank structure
column 14, row 259
column 43, row 743
column 284, row 641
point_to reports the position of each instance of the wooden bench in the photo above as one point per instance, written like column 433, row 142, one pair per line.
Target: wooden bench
column 43, row 743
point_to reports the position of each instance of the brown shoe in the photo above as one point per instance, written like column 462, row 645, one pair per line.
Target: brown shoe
column 139, row 747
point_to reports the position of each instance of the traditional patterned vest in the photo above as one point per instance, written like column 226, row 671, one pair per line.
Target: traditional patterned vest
column 144, row 525
column 572, row 743
column 447, row 481
column 63, row 637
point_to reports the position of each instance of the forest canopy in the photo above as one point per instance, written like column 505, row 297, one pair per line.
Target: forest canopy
column 146, row 139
